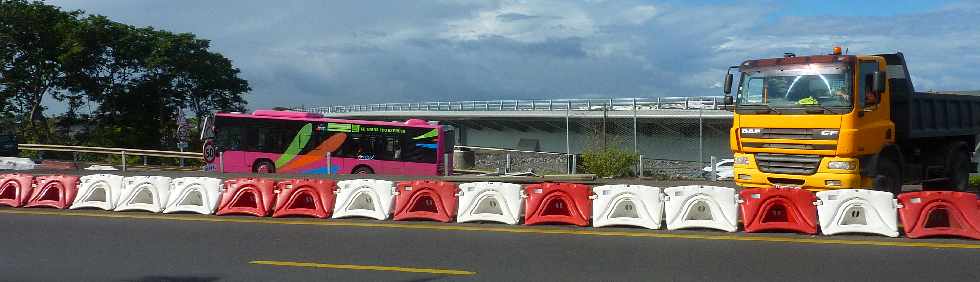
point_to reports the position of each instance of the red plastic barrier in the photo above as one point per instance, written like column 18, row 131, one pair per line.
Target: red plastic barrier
column 254, row 196
column 55, row 191
column 305, row 197
column 558, row 203
column 940, row 213
column 425, row 199
column 772, row 209
column 15, row 189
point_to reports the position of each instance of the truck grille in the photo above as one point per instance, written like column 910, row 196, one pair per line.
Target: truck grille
column 788, row 164
column 790, row 133
column 791, row 146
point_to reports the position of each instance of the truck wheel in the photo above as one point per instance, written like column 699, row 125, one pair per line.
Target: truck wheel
column 888, row 176
column 959, row 173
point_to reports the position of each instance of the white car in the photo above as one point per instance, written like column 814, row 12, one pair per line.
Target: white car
column 723, row 170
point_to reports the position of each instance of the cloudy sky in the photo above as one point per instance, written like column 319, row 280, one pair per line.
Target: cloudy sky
column 343, row 52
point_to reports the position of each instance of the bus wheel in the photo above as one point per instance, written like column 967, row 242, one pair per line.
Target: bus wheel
column 264, row 166
column 363, row 170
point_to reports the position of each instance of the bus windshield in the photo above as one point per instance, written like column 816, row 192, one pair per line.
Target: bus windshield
column 825, row 87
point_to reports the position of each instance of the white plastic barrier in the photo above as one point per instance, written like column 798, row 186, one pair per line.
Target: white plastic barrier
column 701, row 207
column 364, row 198
column 194, row 194
column 490, row 201
column 146, row 193
column 857, row 211
column 99, row 191
column 634, row 205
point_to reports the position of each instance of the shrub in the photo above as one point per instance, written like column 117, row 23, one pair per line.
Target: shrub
column 609, row 161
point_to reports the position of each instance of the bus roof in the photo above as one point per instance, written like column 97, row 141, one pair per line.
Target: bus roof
column 304, row 116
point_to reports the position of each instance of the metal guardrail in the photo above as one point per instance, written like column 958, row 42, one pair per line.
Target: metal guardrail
column 612, row 104
column 123, row 152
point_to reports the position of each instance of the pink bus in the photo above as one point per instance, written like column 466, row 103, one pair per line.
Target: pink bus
column 269, row 141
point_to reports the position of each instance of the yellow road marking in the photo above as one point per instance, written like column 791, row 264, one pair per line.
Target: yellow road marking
column 515, row 229
column 364, row 267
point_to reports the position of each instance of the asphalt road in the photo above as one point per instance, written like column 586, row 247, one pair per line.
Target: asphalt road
column 58, row 245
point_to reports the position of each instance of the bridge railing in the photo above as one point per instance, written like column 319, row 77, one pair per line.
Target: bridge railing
column 609, row 104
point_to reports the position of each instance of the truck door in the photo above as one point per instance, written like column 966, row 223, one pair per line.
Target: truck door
column 874, row 123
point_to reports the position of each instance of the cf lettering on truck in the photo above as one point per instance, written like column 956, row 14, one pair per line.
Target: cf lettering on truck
column 847, row 121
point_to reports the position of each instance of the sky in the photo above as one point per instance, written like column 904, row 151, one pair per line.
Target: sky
column 296, row 53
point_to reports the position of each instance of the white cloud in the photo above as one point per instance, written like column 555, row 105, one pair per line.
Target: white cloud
column 340, row 52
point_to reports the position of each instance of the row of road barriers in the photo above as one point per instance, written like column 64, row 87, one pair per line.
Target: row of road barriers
column 922, row 214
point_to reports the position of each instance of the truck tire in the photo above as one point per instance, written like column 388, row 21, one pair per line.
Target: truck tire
column 888, row 176
column 958, row 172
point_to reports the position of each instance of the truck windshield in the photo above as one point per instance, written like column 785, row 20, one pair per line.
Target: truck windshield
column 824, row 88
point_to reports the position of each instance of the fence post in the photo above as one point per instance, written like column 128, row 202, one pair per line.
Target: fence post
column 574, row 164
column 445, row 164
column 640, row 167
column 329, row 163
column 123, row 160
column 144, row 161
column 700, row 137
column 636, row 141
column 507, row 164
column 714, row 169
column 221, row 161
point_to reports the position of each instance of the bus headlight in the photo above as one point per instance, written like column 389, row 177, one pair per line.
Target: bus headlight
column 844, row 165
column 741, row 160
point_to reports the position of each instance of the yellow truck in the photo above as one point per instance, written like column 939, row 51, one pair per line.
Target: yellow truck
column 847, row 121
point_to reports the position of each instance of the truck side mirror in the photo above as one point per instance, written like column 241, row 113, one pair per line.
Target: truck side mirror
column 878, row 82
column 728, row 85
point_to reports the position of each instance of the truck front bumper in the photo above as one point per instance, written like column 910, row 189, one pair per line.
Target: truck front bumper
column 753, row 178
column 749, row 176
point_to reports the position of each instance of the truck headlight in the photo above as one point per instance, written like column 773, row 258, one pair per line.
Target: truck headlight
column 845, row 165
column 741, row 160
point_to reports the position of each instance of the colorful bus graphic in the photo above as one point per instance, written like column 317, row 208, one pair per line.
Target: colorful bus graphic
column 268, row 141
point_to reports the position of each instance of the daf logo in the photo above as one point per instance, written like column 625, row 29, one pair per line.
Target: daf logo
column 751, row 130
column 828, row 132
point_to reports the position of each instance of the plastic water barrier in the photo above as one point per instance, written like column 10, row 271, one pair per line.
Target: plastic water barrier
column 194, row 195
column 632, row 205
column 940, row 213
column 558, row 203
column 490, row 201
column 305, row 197
column 696, row 206
column 15, row 189
column 144, row 193
column 53, row 191
column 364, row 198
column 252, row 196
column 100, row 191
column 779, row 209
column 857, row 211
column 425, row 199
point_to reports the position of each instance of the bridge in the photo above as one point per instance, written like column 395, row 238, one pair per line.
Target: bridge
column 686, row 129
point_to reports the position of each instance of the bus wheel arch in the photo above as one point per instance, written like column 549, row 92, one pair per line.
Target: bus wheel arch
column 362, row 169
column 263, row 166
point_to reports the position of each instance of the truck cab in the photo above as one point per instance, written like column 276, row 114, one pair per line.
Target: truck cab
column 846, row 121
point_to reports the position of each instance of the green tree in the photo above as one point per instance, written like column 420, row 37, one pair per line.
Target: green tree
column 32, row 40
column 137, row 79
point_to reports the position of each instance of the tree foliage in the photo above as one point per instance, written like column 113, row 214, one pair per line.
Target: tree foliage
column 133, row 81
